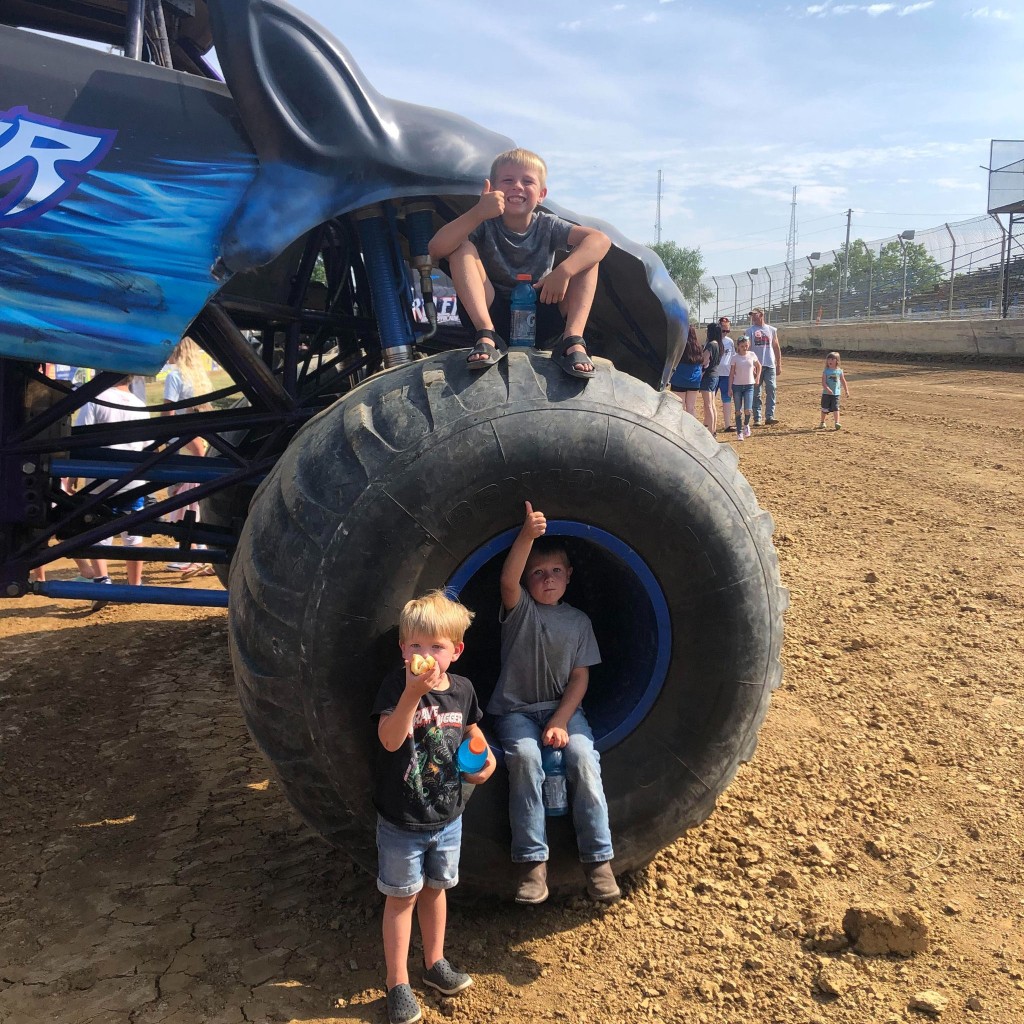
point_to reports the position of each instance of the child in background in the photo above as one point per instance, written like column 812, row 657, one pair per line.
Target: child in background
column 418, row 795
column 744, row 375
column 832, row 379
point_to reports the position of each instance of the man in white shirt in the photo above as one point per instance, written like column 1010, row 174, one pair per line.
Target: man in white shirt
column 764, row 343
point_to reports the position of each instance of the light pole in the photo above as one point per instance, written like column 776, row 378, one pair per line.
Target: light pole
column 810, row 262
column 715, row 279
column 905, row 236
column 751, row 274
column 768, row 304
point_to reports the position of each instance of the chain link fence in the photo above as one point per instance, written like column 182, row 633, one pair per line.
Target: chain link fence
column 968, row 270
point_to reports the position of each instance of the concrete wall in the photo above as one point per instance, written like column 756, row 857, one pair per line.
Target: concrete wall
column 998, row 339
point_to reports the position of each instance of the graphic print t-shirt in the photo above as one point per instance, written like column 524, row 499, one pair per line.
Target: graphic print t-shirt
column 833, row 380
column 418, row 786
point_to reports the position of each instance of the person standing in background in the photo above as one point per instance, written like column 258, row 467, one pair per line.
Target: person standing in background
column 764, row 343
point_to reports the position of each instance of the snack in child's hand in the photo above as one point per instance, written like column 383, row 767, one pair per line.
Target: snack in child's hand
column 419, row 664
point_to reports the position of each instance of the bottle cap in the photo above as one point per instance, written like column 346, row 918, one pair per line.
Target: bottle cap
column 477, row 744
column 523, row 277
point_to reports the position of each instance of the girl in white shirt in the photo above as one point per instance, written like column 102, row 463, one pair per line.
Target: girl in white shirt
column 744, row 375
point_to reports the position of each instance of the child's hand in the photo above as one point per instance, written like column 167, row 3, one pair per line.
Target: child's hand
column 485, row 773
column 553, row 286
column 553, row 736
column 425, row 682
column 534, row 525
column 491, row 203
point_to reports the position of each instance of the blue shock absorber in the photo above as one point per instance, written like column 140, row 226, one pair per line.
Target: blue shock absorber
column 419, row 228
column 419, row 224
column 385, row 288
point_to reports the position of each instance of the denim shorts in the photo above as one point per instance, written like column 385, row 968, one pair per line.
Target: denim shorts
column 709, row 380
column 406, row 859
column 829, row 402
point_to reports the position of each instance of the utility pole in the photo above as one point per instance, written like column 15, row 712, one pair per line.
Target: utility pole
column 791, row 248
column 846, row 260
column 657, row 219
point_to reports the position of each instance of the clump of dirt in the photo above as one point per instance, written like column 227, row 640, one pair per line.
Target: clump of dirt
column 865, row 867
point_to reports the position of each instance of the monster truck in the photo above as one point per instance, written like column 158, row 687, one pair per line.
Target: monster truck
column 281, row 218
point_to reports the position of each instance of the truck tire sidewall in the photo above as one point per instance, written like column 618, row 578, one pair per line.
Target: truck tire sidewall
column 623, row 459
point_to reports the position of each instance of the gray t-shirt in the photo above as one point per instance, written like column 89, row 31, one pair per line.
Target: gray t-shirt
column 540, row 645
column 761, row 343
column 505, row 253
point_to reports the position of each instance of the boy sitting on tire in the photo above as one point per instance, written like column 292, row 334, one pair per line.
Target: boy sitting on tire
column 547, row 648
column 505, row 235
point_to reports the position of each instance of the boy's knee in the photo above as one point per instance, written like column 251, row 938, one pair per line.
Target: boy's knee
column 523, row 756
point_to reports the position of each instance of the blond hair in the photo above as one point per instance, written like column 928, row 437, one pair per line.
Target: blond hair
column 189, row 359
column 434, row 614
column 832, row 355
column 524, row 158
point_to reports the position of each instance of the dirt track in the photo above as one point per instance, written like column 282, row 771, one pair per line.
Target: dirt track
column 151, row 873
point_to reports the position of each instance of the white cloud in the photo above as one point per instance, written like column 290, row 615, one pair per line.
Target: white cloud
column 648, row 19
column 990, row 12
column 914, row 8
column 876, row 9
column 572, row 26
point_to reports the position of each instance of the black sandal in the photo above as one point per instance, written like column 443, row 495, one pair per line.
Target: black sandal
column 493, row 353
column 572, row 363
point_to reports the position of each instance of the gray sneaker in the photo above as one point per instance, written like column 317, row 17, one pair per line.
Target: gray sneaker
column 402, row 1006
column 443, row 977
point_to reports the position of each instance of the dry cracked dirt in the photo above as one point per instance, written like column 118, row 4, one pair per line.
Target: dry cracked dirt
column 152, row 873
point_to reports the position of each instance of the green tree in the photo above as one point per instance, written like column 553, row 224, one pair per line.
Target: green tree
column 878, row 274
column 686, row 267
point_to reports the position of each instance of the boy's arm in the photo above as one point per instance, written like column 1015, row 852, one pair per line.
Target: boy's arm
column 534, row 525
column 777, row 350
column 556, row 732
column 448, row 238
column 846, row 387
column 824, row 381
column 590, row 246
column 757, row 371
column 393, row 729
column 485, row 773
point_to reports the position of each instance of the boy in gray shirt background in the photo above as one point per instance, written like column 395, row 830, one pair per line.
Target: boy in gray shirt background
column 547, row 648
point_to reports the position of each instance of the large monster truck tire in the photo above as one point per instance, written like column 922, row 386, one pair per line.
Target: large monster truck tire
column 417, row 479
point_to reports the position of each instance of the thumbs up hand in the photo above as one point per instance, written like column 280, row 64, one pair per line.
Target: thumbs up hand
column 492, row 202
column 534, row 525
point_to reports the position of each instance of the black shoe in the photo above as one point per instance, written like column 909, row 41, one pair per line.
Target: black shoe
column 771, row 421
column 445, row 979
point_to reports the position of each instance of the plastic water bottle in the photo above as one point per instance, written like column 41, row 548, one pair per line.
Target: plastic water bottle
column 524, row 313
column 472, row 755
column 554, row 789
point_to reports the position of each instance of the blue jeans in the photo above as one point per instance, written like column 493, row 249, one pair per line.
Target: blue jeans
column 768, row 380
column 520, row 735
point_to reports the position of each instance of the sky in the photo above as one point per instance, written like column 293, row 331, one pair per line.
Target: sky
column 887, row 109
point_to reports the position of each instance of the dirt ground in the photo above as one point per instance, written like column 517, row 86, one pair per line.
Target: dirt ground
column 151, row 873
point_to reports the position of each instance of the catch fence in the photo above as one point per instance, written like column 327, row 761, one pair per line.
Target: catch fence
column 968, row 270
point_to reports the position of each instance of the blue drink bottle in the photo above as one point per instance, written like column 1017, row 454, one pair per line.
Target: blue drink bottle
column 524, row 313
column 472, row 755
column 554, row 789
